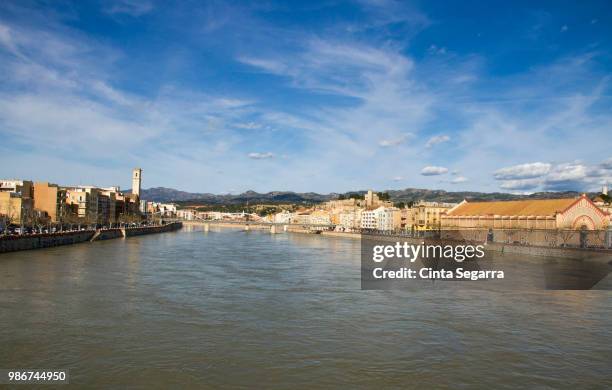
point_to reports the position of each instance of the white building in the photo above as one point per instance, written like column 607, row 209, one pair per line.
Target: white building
column 368, row 219
column 382, row 218
column 283, row 217
column 163, row 209
column 350, row 219
column 186, row 214
column 388, row 218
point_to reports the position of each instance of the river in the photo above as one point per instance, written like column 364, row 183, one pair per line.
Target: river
column 239, row 309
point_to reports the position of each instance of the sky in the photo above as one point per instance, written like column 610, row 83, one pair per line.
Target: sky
column 328, row 96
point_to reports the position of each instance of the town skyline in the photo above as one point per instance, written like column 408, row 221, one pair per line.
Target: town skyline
column 324, row 97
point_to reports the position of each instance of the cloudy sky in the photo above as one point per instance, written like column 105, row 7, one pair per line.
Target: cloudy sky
column 313, row 96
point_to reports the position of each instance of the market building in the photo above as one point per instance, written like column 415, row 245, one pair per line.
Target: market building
column 569, row 214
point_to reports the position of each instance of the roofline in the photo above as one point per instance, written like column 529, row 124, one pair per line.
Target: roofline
column 581, row 197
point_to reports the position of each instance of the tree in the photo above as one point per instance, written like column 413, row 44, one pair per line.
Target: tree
column 383, row 195
column 38, row 219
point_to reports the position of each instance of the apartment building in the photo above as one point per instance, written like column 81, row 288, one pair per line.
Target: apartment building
column 14, row 208
column 50, row 198
column 426, row 215
column 23, row 188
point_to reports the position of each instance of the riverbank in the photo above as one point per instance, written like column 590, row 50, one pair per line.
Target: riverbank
column 527, row 250
column 39, row 241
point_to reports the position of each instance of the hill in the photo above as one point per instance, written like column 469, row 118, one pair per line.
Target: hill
column 163, row 194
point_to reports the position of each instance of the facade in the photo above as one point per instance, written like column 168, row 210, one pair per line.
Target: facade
column 387, row 218
column 22, row 187
column 186, row 214
column 15, row 209
column 136, row 181
column 381, row 218
column 83, row 202
column 50, row 198
column 283, row 217
column 425, row 215
column 373, row 201
column 350, row 219
column 163, row 209
column 562, row 214
column 368, row 219
column 110, row 213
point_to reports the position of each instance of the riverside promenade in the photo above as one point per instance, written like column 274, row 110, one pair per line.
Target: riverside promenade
column 47, row 240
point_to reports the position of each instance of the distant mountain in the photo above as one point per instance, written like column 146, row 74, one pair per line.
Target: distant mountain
column 415, row 194
column 163, row 194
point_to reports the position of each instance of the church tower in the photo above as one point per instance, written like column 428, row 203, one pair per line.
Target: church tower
column 136, row 181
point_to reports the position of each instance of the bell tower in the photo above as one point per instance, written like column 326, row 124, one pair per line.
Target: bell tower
column 136, row 181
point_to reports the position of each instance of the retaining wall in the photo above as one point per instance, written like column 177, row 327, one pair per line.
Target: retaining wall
column 138, row 231
column 108, row 234
column 37, row 241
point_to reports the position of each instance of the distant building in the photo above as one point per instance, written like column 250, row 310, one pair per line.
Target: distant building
column 50, row 198
column 388, row 218
column 283, row 217
column 162, row 209
column 136, row 181
column 425, row 215
column 22, row 187
column 186, row 214
column 371, row 199
column 381, row 218
column 83, row 202
column 350, row 219
column 14, row 208
column 142, row 207
column 580, row 213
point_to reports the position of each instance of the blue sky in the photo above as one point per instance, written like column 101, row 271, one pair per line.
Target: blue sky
column 324, row 96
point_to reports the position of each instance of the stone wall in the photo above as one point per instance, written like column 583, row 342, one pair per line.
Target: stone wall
column 138, row 231
column 108, row 234
column 37, row 241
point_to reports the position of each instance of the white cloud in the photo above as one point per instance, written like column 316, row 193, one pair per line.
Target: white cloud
column 556, row 177
column 524, row 184
column 438, row 139
column 248, row 126
column 433, row 171
column 398, row 178
column 459, row 179
column 522, row 171
column 260, row 156
column 385, row 143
